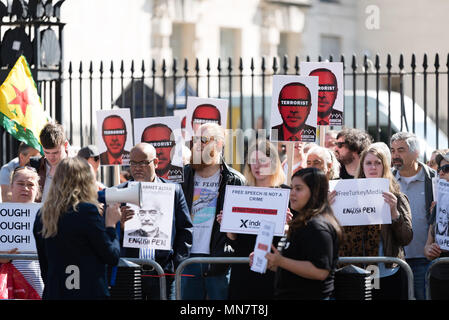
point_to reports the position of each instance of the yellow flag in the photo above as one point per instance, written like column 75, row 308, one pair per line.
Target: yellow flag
column 21, row 111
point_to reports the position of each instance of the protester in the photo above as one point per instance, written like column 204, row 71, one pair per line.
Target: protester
column 439, row 277
column 431, row 162
column 350, row 144
column 143, row 163
column 74, row 241
column 325, row 160
column 330, row 139
column 299, row 159
column 386, row 239
column 263, row 169
column 415, row 180
column 55, row 146
column 204, row 185
column 25, row 189
column 91, row 154
column 305, row 266
column 25, row 152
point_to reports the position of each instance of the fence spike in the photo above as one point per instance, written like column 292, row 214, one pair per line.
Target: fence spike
column 111, row 69
column 252, row 64
column 308, row 58
column 197, row 66
column 132, row 67
column 208, row 65
column 81, row 67
column 297, row 64
column 437, row 62
column 401, row 62
column 424, row 63
column 229, row 64
column 101, row 68
column 219, row 65
column 175, row 66
column 413, row 63
column 262, row 66
column 342, row 59
column 164, row 66
column 186, row 65
column 389, row 65
column 354, row 63
column 275, row 64
column 153, row 66
column 377, row 62
column 70, row 68
column 91, row 67
column 122, row 67
column 241, row 64
column 142, row 68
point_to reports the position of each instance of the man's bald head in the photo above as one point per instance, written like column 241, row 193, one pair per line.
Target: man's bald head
column 143, row 161
column 144, row 147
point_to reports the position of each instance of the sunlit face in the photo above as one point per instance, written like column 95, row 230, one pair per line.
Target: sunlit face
column 24, row 188
column 114, row 135
column 294, row 105
column 443, row 173
column 342, row 152
column 299, row 194
column 260, row 165
column 142, row 165
column 315, row 161
column 401, row 156
column 55, row 155
column 372, row 166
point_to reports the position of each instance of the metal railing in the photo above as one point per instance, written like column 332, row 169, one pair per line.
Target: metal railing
column 429, row 271
column 154, row 264
column 341, row 260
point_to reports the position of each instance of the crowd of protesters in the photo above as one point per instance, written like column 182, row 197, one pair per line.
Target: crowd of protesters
column 75, row 227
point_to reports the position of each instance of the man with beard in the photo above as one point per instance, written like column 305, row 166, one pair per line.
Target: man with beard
column 327, row 93
column 350, row 144
column 149, row 224
column 415, row 180
column 204, row 186
column 294, row 105
column 114, row 136
column 160, row 137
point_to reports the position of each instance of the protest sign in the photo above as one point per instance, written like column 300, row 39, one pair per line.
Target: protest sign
column 360, row 201
column 151, row 225
column 245, row 207
column 114, row 138
column 442, row 215
column 263, row 246
column 164, row 134
column 16, row 226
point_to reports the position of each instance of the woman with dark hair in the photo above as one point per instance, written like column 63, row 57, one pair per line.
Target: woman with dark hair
column 306, row 264
column 74, row 241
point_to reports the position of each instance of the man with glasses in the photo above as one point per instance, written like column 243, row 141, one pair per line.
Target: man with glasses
column 204, row 186
column 55, row 146
column 91, row 154
column 114, row 136
column 415, row 180
column 348, row 147
column 143, row 164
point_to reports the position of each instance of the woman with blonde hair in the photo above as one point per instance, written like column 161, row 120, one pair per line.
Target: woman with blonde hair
column 386, row 239
column 74, row 241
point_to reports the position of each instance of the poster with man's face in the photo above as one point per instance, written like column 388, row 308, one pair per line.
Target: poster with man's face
column 152, row 224
column 205, row 110
column 294, row 108
column 114, row 138
column 164, row 134
column 330, row 91
column 441, row 224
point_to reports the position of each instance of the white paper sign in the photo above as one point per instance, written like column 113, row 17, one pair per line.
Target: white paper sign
column 245, row 208
column 263, row 246
column 16, row 226
column 151, row 225
column 442, row 215
column 360, row 202
column 435, row 188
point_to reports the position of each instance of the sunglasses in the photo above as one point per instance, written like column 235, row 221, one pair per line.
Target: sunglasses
column 140, row 163
column 96, row 158
column 444, row 169
column 340, row 144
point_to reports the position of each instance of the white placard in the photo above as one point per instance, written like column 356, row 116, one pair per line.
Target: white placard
column 114, row 136
column 435, row 188
column 16, row 226
column 164, row 133
column 245, row 208
column 204, row 110
column 330, row 92
column 442, row 215
column 360, row 202
column 294, row 108
column 151, row 225
column 263, row 246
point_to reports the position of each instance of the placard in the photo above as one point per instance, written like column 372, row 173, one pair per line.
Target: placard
column 151, row 225
column 245, row 208
column 205, row 110
column 263, row 246
column 442, row 215
column 360, row 201
column 16, row 226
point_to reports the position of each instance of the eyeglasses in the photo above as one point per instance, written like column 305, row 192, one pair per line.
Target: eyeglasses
column 203, row 139
column 340, row 144
column 444, row 169
column 140, row 163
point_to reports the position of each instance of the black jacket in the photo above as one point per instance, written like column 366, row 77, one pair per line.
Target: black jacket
column 218, row 242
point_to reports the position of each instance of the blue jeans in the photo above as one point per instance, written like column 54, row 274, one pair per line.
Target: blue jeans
column 196, row 286
column 419, row 267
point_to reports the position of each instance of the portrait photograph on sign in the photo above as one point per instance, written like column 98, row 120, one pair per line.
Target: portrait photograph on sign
column 442, row 215
column 294, row 108
column 330, row 90
column 16, row 226
column 204, row 110
column 114, row 136
column 151, row 225
column 360, row 202
column 164, row 133
column 245, row 208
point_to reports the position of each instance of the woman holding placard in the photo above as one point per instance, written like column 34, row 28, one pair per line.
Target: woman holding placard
column 306, row 264
column 25, row 189
column 386, row 239
column 263, row 169
column 74, row 241
column 439, row 277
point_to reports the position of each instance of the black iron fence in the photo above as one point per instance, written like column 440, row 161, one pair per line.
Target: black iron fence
column 382, row 96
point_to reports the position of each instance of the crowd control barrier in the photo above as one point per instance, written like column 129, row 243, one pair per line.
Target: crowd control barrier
column 429, row 270
column 154, row 264
column 341, row 260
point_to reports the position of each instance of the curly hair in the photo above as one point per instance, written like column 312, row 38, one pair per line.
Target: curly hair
column 72, row 184
column 356, row 140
